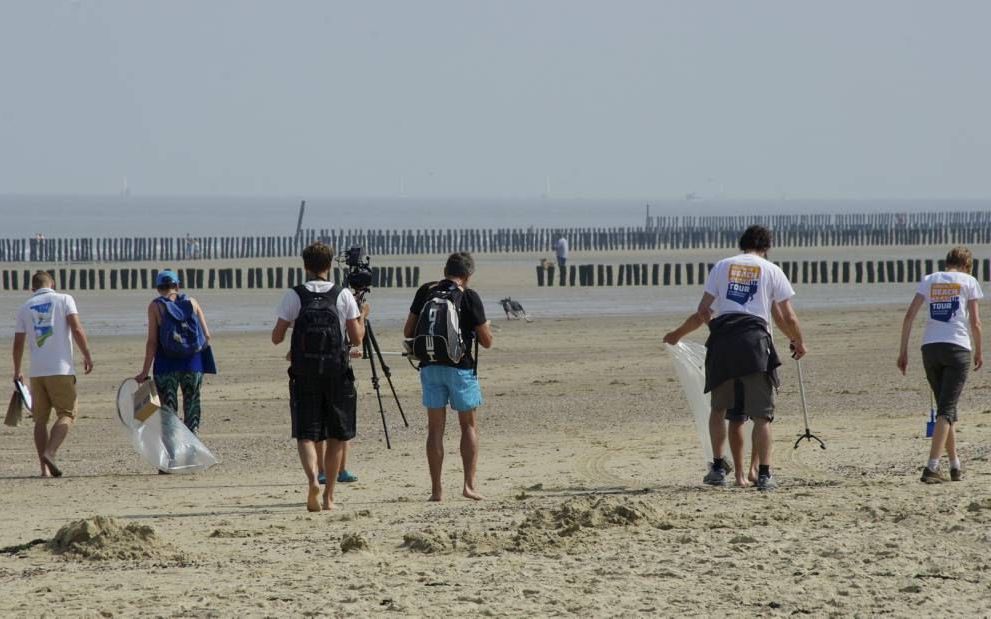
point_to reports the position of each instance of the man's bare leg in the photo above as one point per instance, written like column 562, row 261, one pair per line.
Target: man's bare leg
column 763, row 444
column 308, row 458
column 335, row 449
column 469, row 453
column 40, row 443
column 736, row 448
column 344, row 457
column 60, row 430
column 321, row 447
column 754, row 460
column 717, row 431
column 436, row 419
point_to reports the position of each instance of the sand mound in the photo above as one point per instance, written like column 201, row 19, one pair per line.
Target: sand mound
column 548, row 528
column 352, row 542
column 105, row 539
column 591, row 513
column 430, row 540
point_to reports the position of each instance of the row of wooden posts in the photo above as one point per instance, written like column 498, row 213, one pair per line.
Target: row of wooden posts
column 198, row 279
column 685, row 233
column 799, row 272
column 926, row 219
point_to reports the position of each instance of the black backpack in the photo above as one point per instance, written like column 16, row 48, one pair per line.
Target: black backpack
column 318, row 349
column 437, row 338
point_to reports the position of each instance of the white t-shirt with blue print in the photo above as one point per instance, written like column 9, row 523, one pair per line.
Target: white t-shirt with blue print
column 947, row 294
column 44, row 321
column 747, row 284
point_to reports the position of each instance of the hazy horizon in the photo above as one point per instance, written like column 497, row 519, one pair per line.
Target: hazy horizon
column 443, row 99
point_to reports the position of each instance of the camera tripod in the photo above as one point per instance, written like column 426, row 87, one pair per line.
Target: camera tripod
column 371, row 351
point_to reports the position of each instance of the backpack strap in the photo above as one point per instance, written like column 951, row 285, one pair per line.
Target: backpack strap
column 305, row 293
column 173, row 308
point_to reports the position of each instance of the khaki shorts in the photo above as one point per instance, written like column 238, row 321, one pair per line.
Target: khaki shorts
column 750, row 396
column 48, row 392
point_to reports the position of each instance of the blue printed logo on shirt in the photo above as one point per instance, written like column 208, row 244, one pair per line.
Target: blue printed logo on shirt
column 743, row 280
column 944, row 301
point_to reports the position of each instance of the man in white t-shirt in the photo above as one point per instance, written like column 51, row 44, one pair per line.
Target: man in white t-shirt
column 326, row 322
column 49, row 322
column 742, row 295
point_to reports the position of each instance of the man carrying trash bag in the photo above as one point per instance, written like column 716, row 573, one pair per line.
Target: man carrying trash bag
column 741, row 362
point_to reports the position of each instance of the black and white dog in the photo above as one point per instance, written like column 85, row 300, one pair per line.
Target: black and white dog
column 514, row 309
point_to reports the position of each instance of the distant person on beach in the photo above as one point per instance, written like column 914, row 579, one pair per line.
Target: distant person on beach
column 439, row 307
column 326, row 322
column 52, row 320
column 178, row 344
column 951, row 339
column 741, row 362
column 561, row 251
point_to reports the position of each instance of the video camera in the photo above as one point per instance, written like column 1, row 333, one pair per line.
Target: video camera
column 358, row 274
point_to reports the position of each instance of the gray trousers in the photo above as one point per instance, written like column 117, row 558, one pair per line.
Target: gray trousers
column 947, row 366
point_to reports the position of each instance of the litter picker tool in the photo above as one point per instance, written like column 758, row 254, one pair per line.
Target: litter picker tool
column 931, row 424
column 808, row 436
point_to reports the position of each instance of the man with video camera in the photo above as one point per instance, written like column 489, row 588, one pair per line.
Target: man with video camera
column 445, row 320
column 326, row 322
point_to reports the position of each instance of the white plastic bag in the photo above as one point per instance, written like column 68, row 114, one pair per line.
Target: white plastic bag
column 162, row 440
column 689, row 365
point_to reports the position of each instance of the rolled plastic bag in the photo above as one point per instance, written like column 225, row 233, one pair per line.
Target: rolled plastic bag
column 162, row 440
column 689, row 365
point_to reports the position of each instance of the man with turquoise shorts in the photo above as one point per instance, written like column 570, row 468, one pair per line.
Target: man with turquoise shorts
column 455, row 383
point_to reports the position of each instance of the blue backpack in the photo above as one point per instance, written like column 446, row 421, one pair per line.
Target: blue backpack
column 180, row 334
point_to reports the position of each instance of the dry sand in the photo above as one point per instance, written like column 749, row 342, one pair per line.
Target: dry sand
column 592, row 470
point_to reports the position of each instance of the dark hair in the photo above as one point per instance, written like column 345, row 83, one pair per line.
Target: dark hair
column 167, row 287
column 459, row 264
column 42, row 279
column 755, row 238
column 960, row 258
column 317, row 257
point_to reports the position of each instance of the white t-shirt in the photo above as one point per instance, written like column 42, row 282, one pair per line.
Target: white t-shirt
column 947, row 294
column 747, row 284
column 347, row 306
column 44, row 318
column 561, row 248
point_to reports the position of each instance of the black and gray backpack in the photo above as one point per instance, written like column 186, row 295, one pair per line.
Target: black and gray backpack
column 437, row 338
column 318, row 349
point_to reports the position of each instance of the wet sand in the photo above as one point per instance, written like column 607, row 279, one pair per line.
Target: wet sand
column 592, row 472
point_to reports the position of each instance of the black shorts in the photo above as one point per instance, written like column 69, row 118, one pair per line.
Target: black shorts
column 324, row 410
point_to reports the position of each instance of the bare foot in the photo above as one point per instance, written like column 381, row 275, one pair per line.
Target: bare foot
column 313, row 499
column 435, row 497
column 50, row 465
column 328, row 504
column 752, row 476
column 470, row 493
column 743, row 483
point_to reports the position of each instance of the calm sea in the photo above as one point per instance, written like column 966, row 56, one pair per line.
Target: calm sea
column 55, row 216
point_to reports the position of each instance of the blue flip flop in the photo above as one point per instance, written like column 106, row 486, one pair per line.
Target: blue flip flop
column 322, row 479
column 346, row 477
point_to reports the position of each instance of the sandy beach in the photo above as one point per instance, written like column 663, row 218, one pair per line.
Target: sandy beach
column 591, row 467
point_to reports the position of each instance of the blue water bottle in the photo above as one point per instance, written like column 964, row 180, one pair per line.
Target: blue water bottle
column 931, row 424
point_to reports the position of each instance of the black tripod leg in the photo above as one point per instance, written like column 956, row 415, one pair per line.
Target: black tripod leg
column 378, row 392
column 370, row 337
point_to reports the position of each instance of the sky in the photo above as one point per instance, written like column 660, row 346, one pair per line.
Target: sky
column 620, row 98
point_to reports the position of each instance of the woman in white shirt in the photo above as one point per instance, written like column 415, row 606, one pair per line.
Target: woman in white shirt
column 954, row 321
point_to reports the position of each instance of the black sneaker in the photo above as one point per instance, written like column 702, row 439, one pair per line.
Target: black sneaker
column 715, row 477
column 932, row 477
column 956, row 474
column 766, row 483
